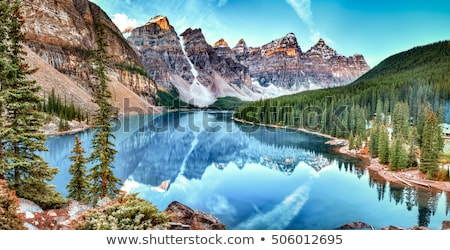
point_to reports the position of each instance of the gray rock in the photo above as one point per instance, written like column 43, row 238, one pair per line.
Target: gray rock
column 185, row 218
column 29, row 226
column 75, row 208
column 103, row 202
column 393, row 228
column 29, row 206
column 356, row 225
column 29, row 215
column 51, row 213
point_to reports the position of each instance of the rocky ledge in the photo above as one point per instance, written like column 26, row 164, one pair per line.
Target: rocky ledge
column 65, row 218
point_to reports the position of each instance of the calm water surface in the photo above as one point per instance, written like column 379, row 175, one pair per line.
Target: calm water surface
column 252, row 177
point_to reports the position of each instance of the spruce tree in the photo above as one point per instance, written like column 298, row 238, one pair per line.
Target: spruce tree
column 400, row 119
column 398, row 158
column 358, row 142
column 373, row 143
column 431, row 145
column 383, row 149
column 103, row 181
column 78, row 185
column 351, row 141
column 412, row 161
column 27, row 172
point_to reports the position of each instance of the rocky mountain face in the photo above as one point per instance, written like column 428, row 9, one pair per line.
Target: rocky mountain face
column 202, row 73
column 187, row 62
column 282, row 63
column 63, row 33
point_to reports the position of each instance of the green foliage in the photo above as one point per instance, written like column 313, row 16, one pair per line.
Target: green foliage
column 101, row 176
column 227, row 103
column 412, row 160
column 78, row 185
column 398, row 156
column 374, row 141
column 400, row 119
column 127, row 213
column 383, row 140
column 397, row 90
column 351, row 141
column 133, row 69
column 27, row 172
column 170, row 99
column 404, row 78
column 431, row 146
column 55, row 105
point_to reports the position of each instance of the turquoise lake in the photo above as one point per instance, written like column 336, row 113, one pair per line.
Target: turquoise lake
column 252, row 177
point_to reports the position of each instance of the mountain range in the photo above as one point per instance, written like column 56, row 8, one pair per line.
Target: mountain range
column 61, row 36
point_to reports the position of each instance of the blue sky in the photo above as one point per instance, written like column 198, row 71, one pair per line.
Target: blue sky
column 373, row 28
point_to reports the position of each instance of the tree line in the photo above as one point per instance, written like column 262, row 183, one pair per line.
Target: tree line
column 395, row 109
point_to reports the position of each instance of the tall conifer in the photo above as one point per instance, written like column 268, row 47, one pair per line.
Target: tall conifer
column 431, row 145
column 103, row 181
column 27, row 172
column 78, row 185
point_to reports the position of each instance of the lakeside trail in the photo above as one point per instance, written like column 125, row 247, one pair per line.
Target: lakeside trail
column 412, row 177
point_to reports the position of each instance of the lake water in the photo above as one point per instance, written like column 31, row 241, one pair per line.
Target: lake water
column 252, row 177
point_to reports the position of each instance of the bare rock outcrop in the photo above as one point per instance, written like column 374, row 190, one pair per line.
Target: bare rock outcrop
column 184, row 217
column 64, row 34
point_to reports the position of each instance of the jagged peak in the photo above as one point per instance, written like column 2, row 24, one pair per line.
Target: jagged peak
column 290, row 35
column 241, row 43
column 321, row 44
column 220, row 43
column 161, row 21
column 322, row 49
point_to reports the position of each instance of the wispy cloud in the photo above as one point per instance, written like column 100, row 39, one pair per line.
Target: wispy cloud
column 304, row 12
column 123, row 22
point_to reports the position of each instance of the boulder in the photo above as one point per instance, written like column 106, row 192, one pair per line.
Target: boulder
column 356, row 225
column 184, row 217
column 445, row 225
column 393, row 228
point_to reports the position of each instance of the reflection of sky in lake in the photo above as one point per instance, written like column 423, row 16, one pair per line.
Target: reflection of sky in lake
column 253, row 179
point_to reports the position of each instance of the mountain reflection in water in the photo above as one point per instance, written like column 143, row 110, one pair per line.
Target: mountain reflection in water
column 252, row 177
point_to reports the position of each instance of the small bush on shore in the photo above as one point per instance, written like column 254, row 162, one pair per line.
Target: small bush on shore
column 9, row 219
column 128, row 212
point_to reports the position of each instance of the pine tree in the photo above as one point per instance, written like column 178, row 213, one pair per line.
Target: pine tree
column 383, row 149
column 351, row 141
column 103, row 181
column 399, row 157
column 430, row 147
column 27, row 172
column 400, row 119
column 78, row 185
column 373, row 143
column 358, row 142
column 412, row 161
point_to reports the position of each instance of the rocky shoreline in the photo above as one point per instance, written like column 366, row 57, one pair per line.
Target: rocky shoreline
column 411, row 177
column 181, row 216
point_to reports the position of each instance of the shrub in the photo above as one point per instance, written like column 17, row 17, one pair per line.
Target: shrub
column 9, row 219
column 128, row 212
